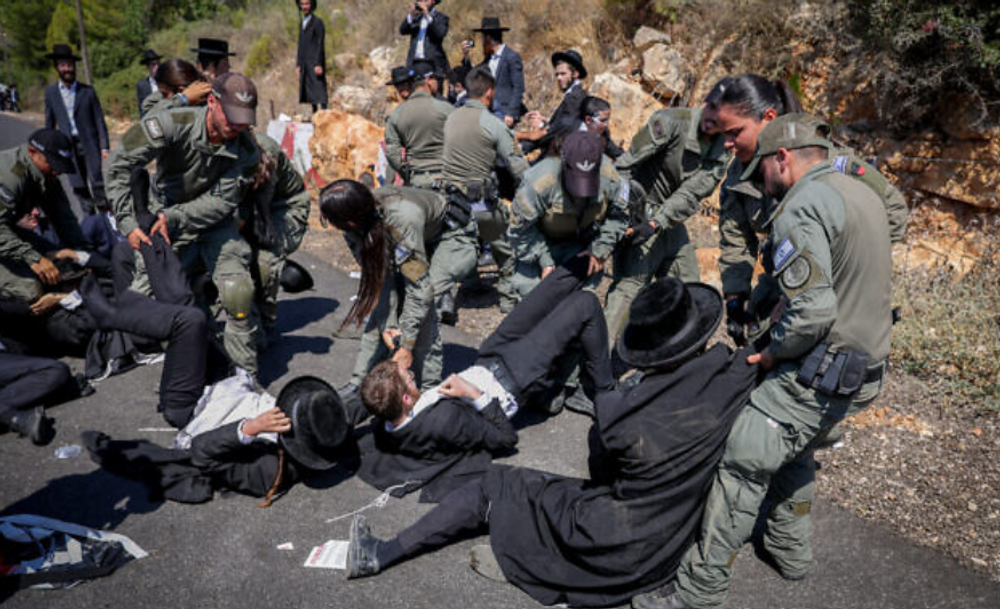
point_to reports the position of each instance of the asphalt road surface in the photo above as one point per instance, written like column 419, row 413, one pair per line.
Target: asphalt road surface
column 224, row 554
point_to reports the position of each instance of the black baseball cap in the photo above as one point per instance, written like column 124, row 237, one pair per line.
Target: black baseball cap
column 56, row 147
column 238, row 96
column 582, row 153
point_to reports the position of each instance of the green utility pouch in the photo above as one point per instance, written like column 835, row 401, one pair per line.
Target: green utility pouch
column 834, row 373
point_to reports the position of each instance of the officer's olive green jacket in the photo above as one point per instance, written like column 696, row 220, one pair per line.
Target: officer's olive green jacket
column 417, row 125
column 829, row 249
column 473, row 141
column 675, row 167
column 155, row 102
column 543, row 214
column 745, row 212
column 415, row 217
column 198, row 184
column 22, row 188
column 287, row 197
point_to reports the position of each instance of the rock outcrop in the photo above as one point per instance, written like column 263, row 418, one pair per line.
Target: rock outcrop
column 630, row 104
column 343, row 145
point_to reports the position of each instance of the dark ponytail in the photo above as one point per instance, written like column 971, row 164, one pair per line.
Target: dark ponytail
column 753, row 95
column 351, row 207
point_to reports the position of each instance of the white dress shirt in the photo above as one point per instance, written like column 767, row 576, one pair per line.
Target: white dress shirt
column 425, row 22
column 69, row 101
column 495, row 60
column 305, row 20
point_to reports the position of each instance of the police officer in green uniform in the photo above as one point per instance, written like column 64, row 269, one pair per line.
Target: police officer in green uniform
column 404, row 240
column 275, row 219
column 476, row 144
column 206, row 161
column 830, row 254
column 417, row 126
column 573, row 205
column 678, row 160
column 28, row 179
column 565, row 207
column 747, row 105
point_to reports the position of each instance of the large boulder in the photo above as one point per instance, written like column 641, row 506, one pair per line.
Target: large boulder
column 664, row 72
column 343, row 145
column 353, row 100
column 630, row 104
column 646, row 37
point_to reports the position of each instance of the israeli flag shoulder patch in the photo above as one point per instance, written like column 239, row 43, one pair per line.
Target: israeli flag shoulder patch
column 153, row 128
column 402, row 253
column 783, row 253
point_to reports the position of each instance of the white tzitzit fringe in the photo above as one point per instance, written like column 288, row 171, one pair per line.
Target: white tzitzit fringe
column 379, row 502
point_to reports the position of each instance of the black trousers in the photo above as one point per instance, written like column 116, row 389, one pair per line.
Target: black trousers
column 26, row 382
column 185, row 329
column 553, row 321
column 462, row 513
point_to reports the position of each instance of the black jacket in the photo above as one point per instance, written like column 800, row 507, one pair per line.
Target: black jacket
column 89, row 119
column 245, row 468
column 439, row 450
column 509, row 92
column 312, row 53
column 654, row 449
column 142, row 90
column 433, row 42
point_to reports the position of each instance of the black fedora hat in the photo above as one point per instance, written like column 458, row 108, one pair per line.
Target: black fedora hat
column 401, row 75
column 62, row 51
column 295, row 278
column 572, row 58
column 213, row 46
column 149, row 56
column 319, row 422
column 669, row 321
column 491, row 24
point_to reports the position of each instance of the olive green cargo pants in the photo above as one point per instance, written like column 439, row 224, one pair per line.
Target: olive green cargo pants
column 769, row 453
column 667, row 254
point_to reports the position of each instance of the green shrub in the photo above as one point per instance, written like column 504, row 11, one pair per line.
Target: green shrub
column 950, row 331
column 925, row 49
column 260, row 57
column 117, row 92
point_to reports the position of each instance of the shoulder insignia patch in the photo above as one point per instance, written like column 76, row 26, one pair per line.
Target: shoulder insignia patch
column 840, row 163
column 797, row 273
column 857, row 169
column 6, row 195
column 783, row 252
column 402, row 253
column 153, row 128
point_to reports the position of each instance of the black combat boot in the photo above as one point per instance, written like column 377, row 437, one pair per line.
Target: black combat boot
column 32, row 424
column 666, row 597
column 447, row 311
column 362, row 558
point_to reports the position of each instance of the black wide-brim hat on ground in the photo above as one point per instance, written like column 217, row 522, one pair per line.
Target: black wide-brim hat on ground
column 319, row 422
column 62, row 51
column 669, row 321
column 572, row 58
column 491, row 24
column 213, row 46
column 295, row 278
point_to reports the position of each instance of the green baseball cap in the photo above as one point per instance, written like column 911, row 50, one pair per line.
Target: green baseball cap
column 790, row 131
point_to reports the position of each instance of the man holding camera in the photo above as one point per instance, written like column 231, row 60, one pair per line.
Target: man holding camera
column 426, row 27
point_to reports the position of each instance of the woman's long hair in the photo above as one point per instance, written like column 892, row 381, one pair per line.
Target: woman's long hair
column 351, row 207
column 176, row 75
column 753, row 95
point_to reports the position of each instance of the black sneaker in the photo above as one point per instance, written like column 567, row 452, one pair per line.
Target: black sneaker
column 666, row 597
column 362, row 559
